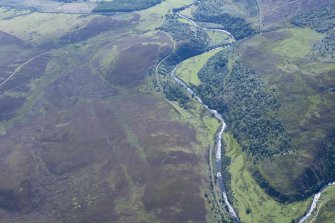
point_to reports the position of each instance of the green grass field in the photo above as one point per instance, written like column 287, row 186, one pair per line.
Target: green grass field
column 188, row 70
column 153, row 17
column 188, row 12
column 184, row 21
column 218, row 37
column 298, row 44
column 38, row 27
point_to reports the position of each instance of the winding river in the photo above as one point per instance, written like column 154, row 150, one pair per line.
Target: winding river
column 218, row 140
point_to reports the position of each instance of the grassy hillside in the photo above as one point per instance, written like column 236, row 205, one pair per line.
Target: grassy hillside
column 188, row 70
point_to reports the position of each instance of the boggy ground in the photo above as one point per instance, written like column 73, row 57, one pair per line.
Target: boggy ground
column 84, row 137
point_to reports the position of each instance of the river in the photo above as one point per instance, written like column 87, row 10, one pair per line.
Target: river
column 205, row 28
column 218, row 140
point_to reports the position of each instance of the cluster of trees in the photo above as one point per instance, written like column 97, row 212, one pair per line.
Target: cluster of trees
column 174, row 92
column 330, row 154
column 321, row 20
column 125, row 5
column 325, row 49
column 185, row 34
column 327, row 156
column 237, row 26
column 226, row 161
column 175, row 10
column 191, row 41
column 211, row 12
column 245, row 103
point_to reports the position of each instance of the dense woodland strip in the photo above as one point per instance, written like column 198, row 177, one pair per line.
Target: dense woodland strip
column 248, row 107
column 125, row 5
column 174, row 92
column 327, row 156
column 321, row 20
column 191, row 41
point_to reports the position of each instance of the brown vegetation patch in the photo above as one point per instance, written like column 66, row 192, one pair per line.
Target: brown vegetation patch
column 78, row 143
column 8, row 106
column 277, row 35
column 19, row 198
column 16, row 191
column 80, row 83
column 159, row 133
column 33, row 69
column 260, row 60
column 132, row 64
column 95, row 27
column 6, row 38
column 127, row 41
column 153, row 125
column 12, row 54
column 69, row 149
column 81, row 160
column 175, row 196
column 173, row 157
